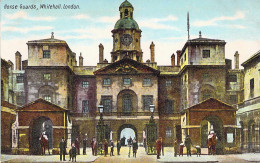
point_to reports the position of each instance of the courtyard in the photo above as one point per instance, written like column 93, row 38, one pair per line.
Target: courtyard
column 142, row 157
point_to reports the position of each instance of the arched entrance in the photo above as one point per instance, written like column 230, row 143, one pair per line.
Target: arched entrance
column 38, row 126
column 212, row 123
column 127, row 130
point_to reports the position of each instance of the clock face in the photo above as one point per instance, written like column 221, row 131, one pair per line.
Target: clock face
column 126, row 39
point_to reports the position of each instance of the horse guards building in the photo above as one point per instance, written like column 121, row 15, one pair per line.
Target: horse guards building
column 197, row 93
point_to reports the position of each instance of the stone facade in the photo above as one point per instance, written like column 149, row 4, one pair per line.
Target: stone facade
column 249, row 110
column 126, row 87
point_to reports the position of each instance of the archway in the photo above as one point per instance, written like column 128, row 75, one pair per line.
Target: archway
column 38, row 126
column 127, row 101
column 127, row 130
column 212, row 123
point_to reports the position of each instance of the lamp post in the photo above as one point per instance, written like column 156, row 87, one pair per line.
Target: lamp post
column 100, row 130
column 151, row 131
column 152, row 107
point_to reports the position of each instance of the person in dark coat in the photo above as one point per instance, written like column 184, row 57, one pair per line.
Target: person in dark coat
column 74, row 152
column 112, row 148
column 118, row 147
column 123, row 141
column 62, row 149
column 92, row 145
column 158, row 147
column 77, row 145
column 84, row 146
column 105, row 147
column 175, row 146
column 188, row 144
column 130, row 142
column 135, row 147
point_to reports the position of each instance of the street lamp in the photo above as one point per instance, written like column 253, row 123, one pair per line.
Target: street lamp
column 151, row 133
column 100, row 129
column 152, row 108
column 101, row 109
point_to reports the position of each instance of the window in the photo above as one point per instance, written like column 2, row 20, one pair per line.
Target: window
column 252, row 86
column 169, row 106
column 147, row 82
column 126, row 12
column 19, row 78
column 106, row 81
column 185, row 57
column 168, row 83
column 47, row 98
column 47, row 76
column 232, row 78
column 168, row 132
column 46, row 54
column 206, row 53
column 127, row 103
column 127, row 81
column 233, row 99
column 106, row 101
column 147, row 101
column 85, row 84
column 85, row 108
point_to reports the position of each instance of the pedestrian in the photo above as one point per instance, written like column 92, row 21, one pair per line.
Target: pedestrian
column 74, row 152
column 123, row 141
column 84, row 145
column 77, row 145
column 105, row 147
column 118, row 147
column 112, row 148
column 129, row 141
column 92, row 145
column 135, row 147
column 95, row 146
column 158, row 147
column 175, row 146
column 188, row 144
column 181, row 148
column 62, row 149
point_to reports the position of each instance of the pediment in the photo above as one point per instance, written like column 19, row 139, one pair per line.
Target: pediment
column 211, row 104
column 41, row 105
column 126, row 66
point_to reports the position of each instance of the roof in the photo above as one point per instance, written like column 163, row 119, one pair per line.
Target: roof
column 48, row 40
column 202, row 41
column 126, row 23
column 126, row 4
column 252, row 58
column 126, row 66
column 9, row 105
column 41, row 105
column 211, row 104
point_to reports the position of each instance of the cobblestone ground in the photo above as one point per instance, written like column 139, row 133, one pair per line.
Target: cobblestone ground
column 142, row 157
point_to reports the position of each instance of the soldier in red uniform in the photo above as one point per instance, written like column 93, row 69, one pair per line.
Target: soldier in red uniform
column 159, row 147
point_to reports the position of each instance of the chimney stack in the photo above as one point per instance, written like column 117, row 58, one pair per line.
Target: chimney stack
column 80, row 60
column 173, row 60
column 178, row 57
column 101, row 53
column 18, row 60
column 152, row 52
column 236, row 60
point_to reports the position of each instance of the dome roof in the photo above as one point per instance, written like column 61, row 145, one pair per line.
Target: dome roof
column 126, row 23
column 126, row 4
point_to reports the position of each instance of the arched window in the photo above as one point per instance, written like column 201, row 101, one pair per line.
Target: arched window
column 126, row 12
column 127, row 103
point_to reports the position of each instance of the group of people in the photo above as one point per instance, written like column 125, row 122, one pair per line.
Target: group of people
column 74, row 150
column 132, row 144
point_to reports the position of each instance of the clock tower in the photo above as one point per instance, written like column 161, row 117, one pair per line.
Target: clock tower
column 126, row 36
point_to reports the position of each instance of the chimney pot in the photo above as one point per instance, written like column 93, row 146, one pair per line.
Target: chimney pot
column 152, row 51
column 173, row 60
column 101, row 53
